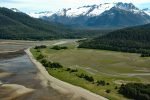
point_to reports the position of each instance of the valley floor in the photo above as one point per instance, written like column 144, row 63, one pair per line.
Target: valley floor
column 65, row 88
column 19, row 77
column 115, row 68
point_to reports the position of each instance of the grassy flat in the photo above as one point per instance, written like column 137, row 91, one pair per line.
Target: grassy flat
column 113, row 67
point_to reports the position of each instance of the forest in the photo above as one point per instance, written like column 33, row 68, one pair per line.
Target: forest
column 20, row 26
column 133, row 40
column 137, row 91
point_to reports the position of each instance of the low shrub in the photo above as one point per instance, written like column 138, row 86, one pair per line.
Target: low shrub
column 108, row 91
column 56, row 65
column 101, row 82
column 40, row 56
column 40, row 47
column 86, row 77
column 71, row 70
column 59, row 47
column 49, row 64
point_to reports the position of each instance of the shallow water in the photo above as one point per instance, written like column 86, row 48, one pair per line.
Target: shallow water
column 22, row 69
column 24, row 73
column 18, row 65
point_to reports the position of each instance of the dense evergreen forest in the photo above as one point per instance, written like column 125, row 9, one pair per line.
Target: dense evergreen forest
column 17, row 25
column 134, row 40
column 137, row 91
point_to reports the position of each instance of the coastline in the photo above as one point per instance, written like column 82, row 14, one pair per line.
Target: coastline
column 61, row 86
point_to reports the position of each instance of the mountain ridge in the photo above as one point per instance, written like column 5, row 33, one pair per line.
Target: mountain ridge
column 91, row 9
column 85, row 15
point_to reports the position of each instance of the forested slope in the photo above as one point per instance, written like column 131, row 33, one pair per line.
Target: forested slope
column 17, row 25
column 134, row 39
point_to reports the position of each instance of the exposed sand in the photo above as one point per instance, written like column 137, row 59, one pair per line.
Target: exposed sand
column 63, row 87
column 61, row 42
column 19, row 89
column 4, row 74
column 136, row 74
column 14, row 91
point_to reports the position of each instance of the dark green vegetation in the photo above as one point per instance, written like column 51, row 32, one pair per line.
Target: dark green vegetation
column 137, row 91
column 91, row 32
column 59, row 47
column 133, row 40
column 40, row 47
column 101, row 72
column 44, row 61
column 74, row 76
column 49, row 64
column 17, row 25
column 86, row 77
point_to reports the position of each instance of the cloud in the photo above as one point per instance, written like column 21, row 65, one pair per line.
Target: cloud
column 10, row 1
column 42, row 5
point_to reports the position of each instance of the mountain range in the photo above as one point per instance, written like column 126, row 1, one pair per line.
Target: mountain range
column 107, row 15
column 15, row 24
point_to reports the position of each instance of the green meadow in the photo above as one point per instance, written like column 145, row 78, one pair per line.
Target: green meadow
column 115, row 68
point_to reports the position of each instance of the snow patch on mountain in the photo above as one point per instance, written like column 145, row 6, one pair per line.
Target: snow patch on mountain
column 147, row 11
column 129, row 7
column 15, row 10
column 41, row 14
column 91, row 10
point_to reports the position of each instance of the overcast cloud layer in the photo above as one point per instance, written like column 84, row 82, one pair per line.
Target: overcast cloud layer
column 53, row 5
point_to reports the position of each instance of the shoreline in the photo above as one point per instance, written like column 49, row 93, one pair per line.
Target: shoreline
column 61, row 86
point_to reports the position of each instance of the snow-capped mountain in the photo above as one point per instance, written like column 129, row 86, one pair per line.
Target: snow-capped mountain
column 107, row 14
column 15, row 10
column 41, row 14
column 90, row 10
column 147, row 11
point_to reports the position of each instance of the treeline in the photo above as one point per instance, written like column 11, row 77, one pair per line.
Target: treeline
column 47, row 63
column 133, row 40
column 43, row 60
column 40, row 47
column 137, row 91
column 86, row 77
column 59, row 47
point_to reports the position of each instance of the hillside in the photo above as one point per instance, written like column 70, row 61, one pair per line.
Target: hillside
column 134, row 39
column 17, row 25
column 118, row 18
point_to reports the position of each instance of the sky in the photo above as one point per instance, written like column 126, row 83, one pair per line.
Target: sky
column 54, row 5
